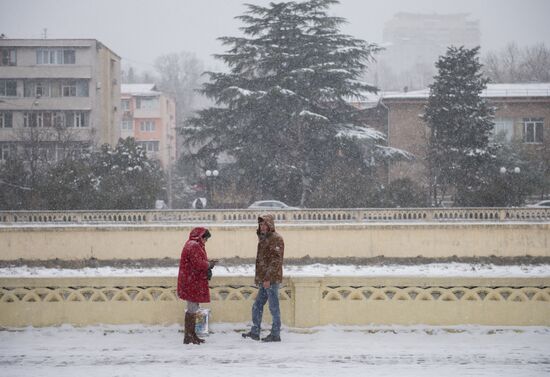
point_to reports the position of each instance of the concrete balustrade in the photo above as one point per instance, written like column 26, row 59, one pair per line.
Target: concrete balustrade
column 305, row 302
column 302, row 215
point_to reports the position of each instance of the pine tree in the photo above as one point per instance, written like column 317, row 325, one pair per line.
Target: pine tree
column 283, row 112
column 460, row 123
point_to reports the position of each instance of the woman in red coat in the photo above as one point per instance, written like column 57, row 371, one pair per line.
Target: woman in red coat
column 193, row 279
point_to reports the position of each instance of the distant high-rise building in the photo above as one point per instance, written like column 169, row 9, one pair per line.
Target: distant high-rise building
column 413, row 43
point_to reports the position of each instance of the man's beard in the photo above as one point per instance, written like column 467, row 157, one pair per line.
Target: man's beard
column 263, row 236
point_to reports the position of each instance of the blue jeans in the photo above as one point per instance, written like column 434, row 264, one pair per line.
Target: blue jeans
column 270, row 295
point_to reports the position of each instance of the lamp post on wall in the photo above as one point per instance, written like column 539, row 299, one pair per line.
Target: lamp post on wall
column 34, row 141
column 211, row 176
column 511, row 193
column 169, row 164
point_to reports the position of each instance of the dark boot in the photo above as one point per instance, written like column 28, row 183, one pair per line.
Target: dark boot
column 271, row 338
column 251, row 335
column 190, row 336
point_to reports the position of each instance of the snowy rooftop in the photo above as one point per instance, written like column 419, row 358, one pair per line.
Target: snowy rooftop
column 368, row 100
column 492, row 91
column 139, row 89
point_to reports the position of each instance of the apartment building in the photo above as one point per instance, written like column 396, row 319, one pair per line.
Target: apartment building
column 58, row 93
column 149, row 116
column 522, row 115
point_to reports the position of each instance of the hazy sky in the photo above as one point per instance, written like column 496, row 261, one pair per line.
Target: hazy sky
column 141, row 30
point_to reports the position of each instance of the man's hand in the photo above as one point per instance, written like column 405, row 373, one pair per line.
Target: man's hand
column 267, row 284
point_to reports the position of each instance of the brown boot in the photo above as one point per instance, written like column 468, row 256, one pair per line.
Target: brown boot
column 190, row 336
column 199, row 340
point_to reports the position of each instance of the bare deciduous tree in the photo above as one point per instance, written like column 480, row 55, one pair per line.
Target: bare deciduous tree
column 179, row 77
column 513, row 64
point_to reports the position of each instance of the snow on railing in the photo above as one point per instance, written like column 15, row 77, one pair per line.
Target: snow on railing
column 289, row 216
column 516, row 92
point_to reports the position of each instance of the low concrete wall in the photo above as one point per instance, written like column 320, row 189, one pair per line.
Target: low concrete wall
column 305, row 302
column 428, row 239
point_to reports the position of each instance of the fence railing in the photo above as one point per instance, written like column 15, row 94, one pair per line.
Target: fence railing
column 305, row 302
column 302, row 215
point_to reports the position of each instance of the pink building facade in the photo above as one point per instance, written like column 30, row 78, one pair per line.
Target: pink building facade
column 149, row 116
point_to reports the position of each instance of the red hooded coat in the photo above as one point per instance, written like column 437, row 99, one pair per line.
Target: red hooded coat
column 193, row 272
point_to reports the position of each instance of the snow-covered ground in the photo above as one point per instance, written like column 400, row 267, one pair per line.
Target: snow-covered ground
column 431, row 270
column 135, row 350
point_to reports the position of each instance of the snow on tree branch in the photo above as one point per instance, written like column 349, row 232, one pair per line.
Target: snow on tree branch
column 361, row 133
column 309, row 115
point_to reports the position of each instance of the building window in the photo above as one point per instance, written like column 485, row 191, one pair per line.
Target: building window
column 68, row 119
column 69, row 56
column 6, row 119
column 147, row 103
column 6, row 150
column 8, row 88
column 76, row 119
column 29, row 120
column 504, row 128
column 150, row 146
column 61, row 151
column 79, row 148
column 41, row 89
column 125, row 105
column 37, row 119
column 82, row 88
column 55, row 56
column 56, row 88
column 126, row 125
column 7, row 56
column 533, row 130
column 68, row 89
column 147, row 126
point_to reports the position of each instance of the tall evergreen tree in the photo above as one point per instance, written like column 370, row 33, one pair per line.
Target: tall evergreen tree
column 282, row 112
column 460, row 123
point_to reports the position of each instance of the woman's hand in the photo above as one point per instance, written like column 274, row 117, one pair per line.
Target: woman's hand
column 212, row 263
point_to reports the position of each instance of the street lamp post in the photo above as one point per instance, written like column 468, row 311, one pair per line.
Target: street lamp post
column 171, row 149
column 211, row 176
column 511, row 194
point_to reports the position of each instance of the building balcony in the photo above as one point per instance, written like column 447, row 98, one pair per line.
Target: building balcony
column 68, row 71
column 147, row 113
column 45, row 103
